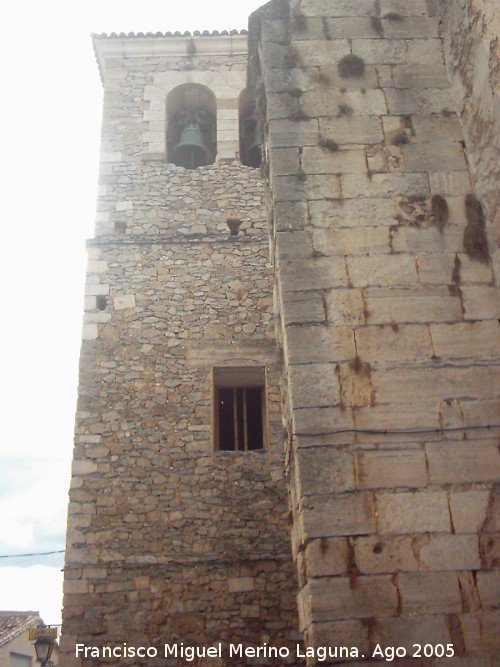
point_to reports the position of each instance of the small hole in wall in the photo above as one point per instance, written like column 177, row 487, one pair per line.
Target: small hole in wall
column 101, row 302
column 378, row 548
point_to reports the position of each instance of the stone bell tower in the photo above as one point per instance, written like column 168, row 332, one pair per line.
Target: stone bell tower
column 319, row 334
column 178, row 516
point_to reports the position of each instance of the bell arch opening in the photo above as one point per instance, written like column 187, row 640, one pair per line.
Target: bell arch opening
column 191, row 126
column 250, row 150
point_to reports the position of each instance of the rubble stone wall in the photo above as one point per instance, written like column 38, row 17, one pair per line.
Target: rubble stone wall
column 169, row 540
column 388, row 313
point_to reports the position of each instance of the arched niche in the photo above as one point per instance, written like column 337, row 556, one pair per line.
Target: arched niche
column 192, row 126
column 250, row 150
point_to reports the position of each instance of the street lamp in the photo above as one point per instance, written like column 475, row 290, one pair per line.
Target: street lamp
column 44, row 647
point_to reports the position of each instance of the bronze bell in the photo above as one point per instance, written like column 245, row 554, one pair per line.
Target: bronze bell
column 191, row 151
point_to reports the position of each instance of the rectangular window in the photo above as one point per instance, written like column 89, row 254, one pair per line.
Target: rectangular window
column 239, row 409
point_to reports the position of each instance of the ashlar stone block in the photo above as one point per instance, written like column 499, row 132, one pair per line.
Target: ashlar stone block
column 315, row 273
column 336, row 598
column 463, row 462
column 357, row 241
column 382, row 271
column 424, row 304
column 481, row 302
column 391, row 468
column 352, row 129
column 319, row 160
column 410, row 28
column 388, row 555
column 323, row 470
column 337, row 515
column 318, row 344
column 429, row 592
column 327, row 556
column 388, row 345
column 419, row 512
column 345, row 307
column 466, row 339
column 435, row 156
column 340, row 8
column 380, row 52
column 360, row 212
column 313, row 385
column 404, row 7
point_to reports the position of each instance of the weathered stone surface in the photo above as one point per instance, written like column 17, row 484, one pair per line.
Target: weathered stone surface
column 391, row 468
column 336, row 515
column 421, row 512
column 345, row 307
column 456, row 462
column 323, row 470
column 335, row 597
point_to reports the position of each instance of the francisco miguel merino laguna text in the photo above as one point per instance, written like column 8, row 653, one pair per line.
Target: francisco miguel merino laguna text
column 190, row 653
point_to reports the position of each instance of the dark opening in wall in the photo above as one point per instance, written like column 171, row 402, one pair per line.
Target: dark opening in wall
column 192, row 126
column 250, row 150
column 239, row 409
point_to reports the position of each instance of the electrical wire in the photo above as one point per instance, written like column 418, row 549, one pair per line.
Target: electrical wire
column 39, row 553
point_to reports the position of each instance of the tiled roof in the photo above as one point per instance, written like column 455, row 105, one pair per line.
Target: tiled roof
column 13, row 623
column 187, row 33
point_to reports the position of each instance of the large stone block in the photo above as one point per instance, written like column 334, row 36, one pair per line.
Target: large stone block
column 463, row 462
column 340, row 8
column 429, row 592
column 362, row 212
column 466, row 339
column 430, row 304
column 410, row 28
column 375, row 555
column 345, row 307
column 338, row 598
column 313, row 385
column 409, row 630
column 407, row 8
column 420, row 512
column 329, row 103
column 391, row 468
column 481, row 302
column 441, row 384
column 361, row 240
column 294, row 244
column 380, row 51
column 286, row 133
column 314, row 273
column 468, row 510
column 382, row 271
column 299, row 187
column 337, row 515
column 391, row 345
column 384, row 185
column 488, row 584
column 315, row 344
column 307, row 308
column 421, row 76
column 435, row 156
column 323, row 470
column 319, row 160
column 352, row 129
column 450, row 552
column 327, row 556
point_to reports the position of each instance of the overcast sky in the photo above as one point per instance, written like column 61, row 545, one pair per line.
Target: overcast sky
column 50, row 112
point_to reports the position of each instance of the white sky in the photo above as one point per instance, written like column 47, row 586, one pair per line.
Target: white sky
column 50, row 120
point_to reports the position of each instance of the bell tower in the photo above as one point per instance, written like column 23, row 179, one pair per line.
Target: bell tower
column 177, row 529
